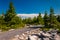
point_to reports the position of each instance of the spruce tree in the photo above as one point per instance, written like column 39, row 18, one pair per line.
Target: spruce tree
column 34, row 21
column 11, row 18
column 29, row 20
column 58, row 18
column 10, row 13
column 2, row 18
column 53, row 20
column 39, row 19
column 46, row 19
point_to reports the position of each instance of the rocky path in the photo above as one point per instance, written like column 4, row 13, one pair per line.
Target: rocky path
column 37, row 34
column 10, row 34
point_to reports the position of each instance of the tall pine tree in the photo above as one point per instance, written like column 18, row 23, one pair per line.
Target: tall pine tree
column 53, row 20
column 46, row 19
column 10, row 17
column 10, row 13
column 58, row 18
column 34, row 21
column 40, row 19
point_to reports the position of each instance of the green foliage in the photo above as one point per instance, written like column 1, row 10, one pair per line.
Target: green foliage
column 46, row 19
column 53, row 20
column 28, row 21
column 3, row 27
column 10, row 16
column 40, row 19
column 34, row 20
column 10, row 13
column 58, row 18
column 1, row 20
column 10, row 20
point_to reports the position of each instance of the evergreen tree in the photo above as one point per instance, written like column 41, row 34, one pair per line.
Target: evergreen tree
column 11, row 18
column 2, row 18
column 10, row 13
column 29, row 20
column 34, row 21
column 58, row 18
column 39, row 19
column 53, row 20
column 25, row 21
column 46, row 19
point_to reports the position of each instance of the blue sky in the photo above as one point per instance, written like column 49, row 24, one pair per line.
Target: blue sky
column 31, row 6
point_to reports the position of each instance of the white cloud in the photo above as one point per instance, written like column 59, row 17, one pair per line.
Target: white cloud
column 29, row 15
column 24, row 15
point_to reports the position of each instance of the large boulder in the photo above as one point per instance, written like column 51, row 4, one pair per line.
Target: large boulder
column 33, row 37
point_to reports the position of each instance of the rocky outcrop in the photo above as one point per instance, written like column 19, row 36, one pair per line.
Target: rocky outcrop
column 37, row 35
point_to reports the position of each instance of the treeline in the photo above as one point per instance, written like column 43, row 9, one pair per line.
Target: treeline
column 48, row 20
column 10, row 20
